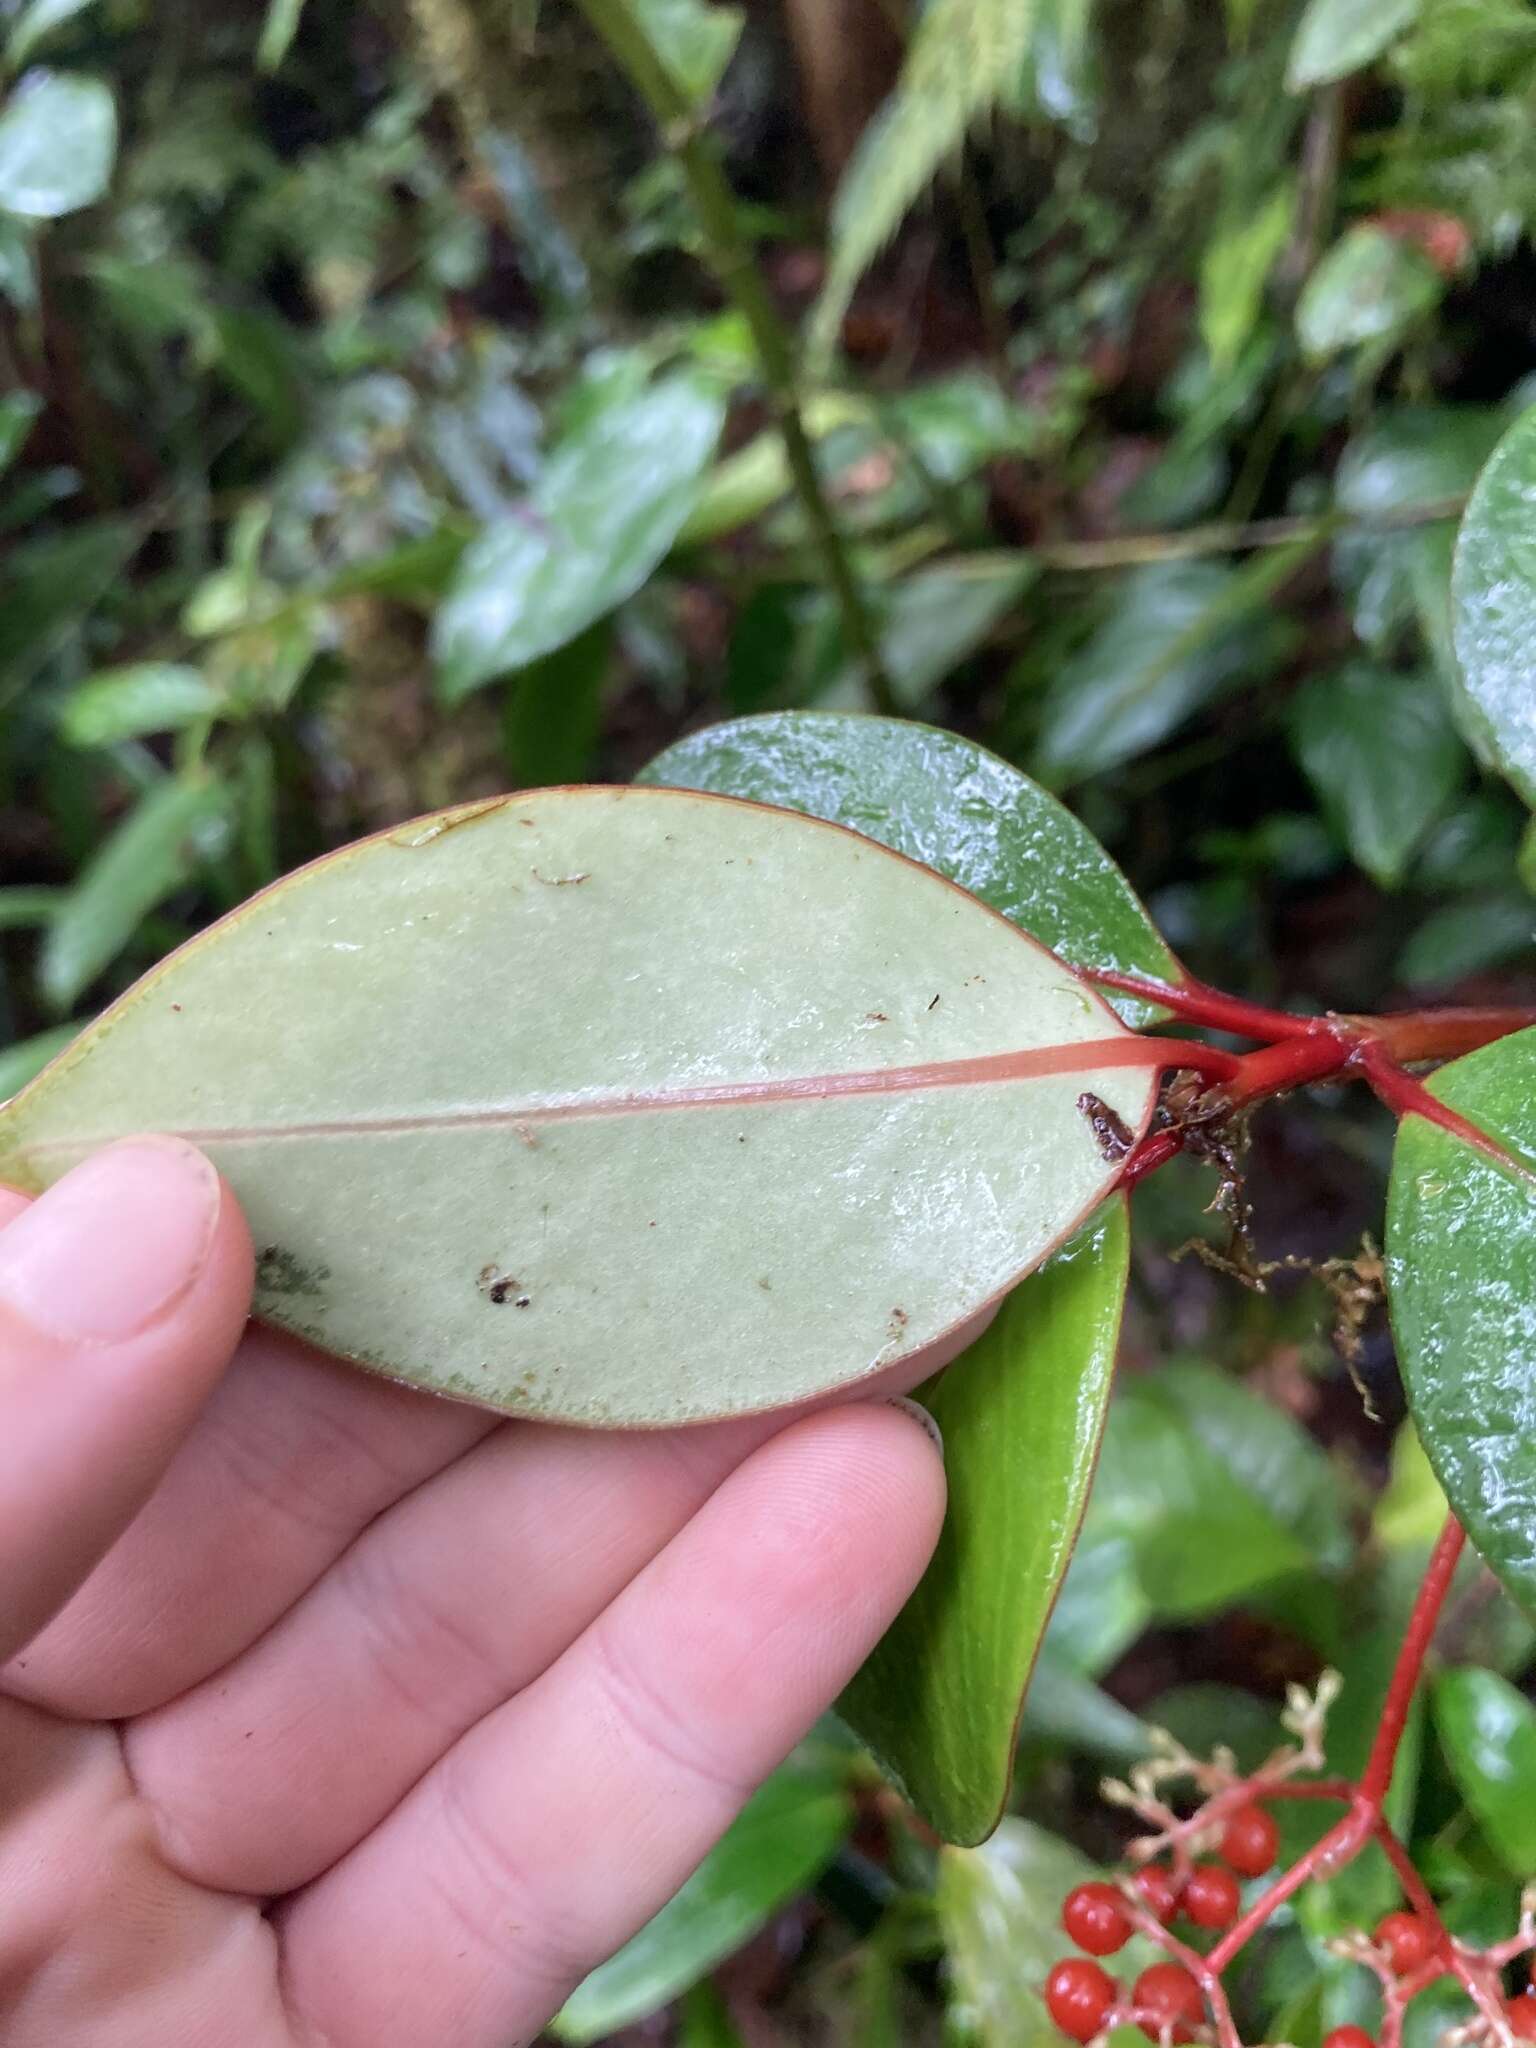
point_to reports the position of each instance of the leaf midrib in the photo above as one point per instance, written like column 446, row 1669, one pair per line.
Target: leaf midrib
column 1089, row 1055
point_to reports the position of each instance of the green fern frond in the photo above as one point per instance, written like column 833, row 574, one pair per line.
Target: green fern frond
column 966, row 56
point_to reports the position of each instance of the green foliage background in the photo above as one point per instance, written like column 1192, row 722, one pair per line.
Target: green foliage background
column 373, row 436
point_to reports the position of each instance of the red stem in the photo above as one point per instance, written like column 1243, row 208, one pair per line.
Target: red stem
column 1441, row 1034
column 1197, row 1003
column 1404, row 1095
column 1410, row 1661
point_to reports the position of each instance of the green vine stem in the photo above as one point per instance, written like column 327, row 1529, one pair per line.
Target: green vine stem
column 687, row 137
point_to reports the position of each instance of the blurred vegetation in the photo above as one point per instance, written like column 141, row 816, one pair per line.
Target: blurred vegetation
column 396, row 411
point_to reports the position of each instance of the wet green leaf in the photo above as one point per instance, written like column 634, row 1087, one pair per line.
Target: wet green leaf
column 22, row 907
column 605, row 511
column 35, row 23
column 58, row 140
column 1466, row 936
column 1415, row 455
column 1022, row 1413
column 694, row 40
column 1185, row 1525
column 277, row 33
column 148, row 856
column 145, row 697
column 1380, row 751
column 1489, row 1734
column 1063, row 1706
column 18, row 413
column 1494, row 605
column 938, row 1701
column 1335, row 37
column 554, row 710
column 1410, row 1512
column 1234, row 271
column 932, row 621
column 1461, row 1265
column 948, row 803
column 48, row 587
column 783, row 1838
column 495, row 1025
column 1178, row 635
column 1368, row 290
column 1270, row 1455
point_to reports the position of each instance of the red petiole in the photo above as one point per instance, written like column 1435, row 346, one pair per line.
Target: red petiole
column 1296, row 1051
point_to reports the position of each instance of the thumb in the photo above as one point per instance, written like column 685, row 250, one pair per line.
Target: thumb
column 123, row 1292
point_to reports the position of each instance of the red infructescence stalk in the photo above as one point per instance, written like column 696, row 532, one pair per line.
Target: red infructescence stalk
column 1183, row 1999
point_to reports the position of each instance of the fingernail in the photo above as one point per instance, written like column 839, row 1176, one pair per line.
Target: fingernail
column 923, row 1419
column 114, row 1245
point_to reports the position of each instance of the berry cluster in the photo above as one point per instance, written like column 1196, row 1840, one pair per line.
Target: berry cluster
column 1166, row 2001
column 1183, row 1895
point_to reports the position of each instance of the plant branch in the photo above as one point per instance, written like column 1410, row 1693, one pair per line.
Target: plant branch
column 1410, row 1660
column 687, row 138
column 1227, row 537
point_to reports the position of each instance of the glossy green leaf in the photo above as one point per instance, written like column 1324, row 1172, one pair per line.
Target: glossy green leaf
column 605, row 511
column 961, row 1653
column 277, row 33
column 1272, row 1457
column 614, row 1105
column 1461, row 1268
column 1178, row 635
column 1367, row 291
column 18, row 414
column 21, row 1062
column 693, row 38
column 1379, row 749
column 1065, row 1707
column 147, row 857
column 932, row 621
column 938, row 1702
column 35, row 23
column 1411, row 1511
column 48, row 586
column 1488, row 1731
column 962, row 59
column 554, row 710
column 58, row 141
column 1415, row 455
column 1193, row 1535
column 1494, row 605
column 1000, row 1909
column 22, row 907
column 784, row 1837
column 1335, row 37
column 1466, row 936
column 948, row 803
column 145, row 697
column 1234, row 271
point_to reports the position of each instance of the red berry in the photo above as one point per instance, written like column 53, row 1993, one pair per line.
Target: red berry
column 1168, row 2001
column 1211, row 1897
column 1250, row 1841
column 1348, row 2037
column 1520, row 2014
column 1095, row 1917
column 1159, row 1893
column 1078, row 1996
column 1407, row 1941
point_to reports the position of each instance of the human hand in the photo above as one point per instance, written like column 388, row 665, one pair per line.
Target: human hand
column 335, row 1716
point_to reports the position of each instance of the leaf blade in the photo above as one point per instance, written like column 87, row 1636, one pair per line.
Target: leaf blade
column 497, row 1024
